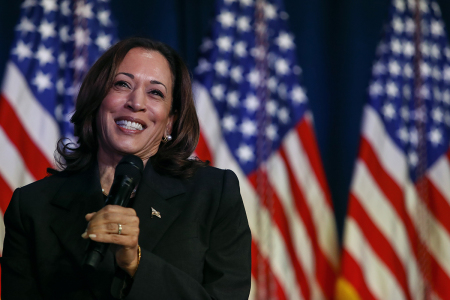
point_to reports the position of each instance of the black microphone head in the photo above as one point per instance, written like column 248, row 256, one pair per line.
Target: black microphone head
column 131, row 166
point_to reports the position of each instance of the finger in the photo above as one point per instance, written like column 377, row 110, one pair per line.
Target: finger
column 113, row 228
column 112, row 218
column 89, row 216
column 122, row 240
column 117, row 209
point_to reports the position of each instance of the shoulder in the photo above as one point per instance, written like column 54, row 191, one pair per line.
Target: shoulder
column 216, row 177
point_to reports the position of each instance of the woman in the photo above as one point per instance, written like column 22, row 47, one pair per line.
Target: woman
column 186, row 235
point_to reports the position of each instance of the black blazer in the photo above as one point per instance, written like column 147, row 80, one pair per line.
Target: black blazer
column 198, row 249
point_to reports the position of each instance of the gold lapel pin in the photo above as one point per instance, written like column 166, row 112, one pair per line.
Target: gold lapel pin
column 155, row 213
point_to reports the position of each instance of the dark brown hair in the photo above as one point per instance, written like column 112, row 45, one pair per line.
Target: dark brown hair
column 172, row 157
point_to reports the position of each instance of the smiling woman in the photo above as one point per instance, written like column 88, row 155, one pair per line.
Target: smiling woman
column 185, row 234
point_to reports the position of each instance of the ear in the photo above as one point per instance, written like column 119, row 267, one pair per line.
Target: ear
column 170, row 122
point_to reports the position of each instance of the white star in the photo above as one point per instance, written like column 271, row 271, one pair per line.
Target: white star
column 84, row 10
column 251, row 103
column 414, row 137
column 394, row 68
column 104, row 17
column 423, row 6
column 392, row 89
column 206, row 45
column 103, row 41
column 425, row 92
column 435, row 136
column 47, row 29
column 49, row 5
column 240, row 49
column 388, row 111
column 246, row 2
column 218, row 91
column 44, row 55
column 224, row 43
column 420, row 114
column 408, row 71
column 64, row 34
column 271, row 107
column 437, row 94
column 236, row 74
column 398, row 25
column 425, row 48
column 22, row 50
column 221, row 67
column 25, row 26
column 297, row 70
column 447, row 52
column 82, row 37
column 403, row 134
column 396, row 46
column 28, row 3
column 203, row 66
column 381, row 48
column 243, row 24
column 447, row 73
column 229, row 123
column 437, row 74
column 378, row 68
column 406, row 92
column 79, row 63
column 254, row 78
column 399, row 5
column 226, row 19
column 281, row 66
column 272, row 132
column 248, row 128
column 270, row 12
column 282, row 91
column 272, row 83
column 283, row 115
column 62, row 60
column 376, row 89
column 436, row 9
column 446, row 97
column 425, row 70
column 435, row 51
column 258, row 52
column 404, row 113
column 65, row 8
column 233, row 99
column 410, row 26
column 298, row 95
column 60, row 88
column 437, row 28
column 42, row 81
column 437, row 115
column 285, row 41
column 245, row 153
column 412, row 158
column 447, row 118
column 408, row 49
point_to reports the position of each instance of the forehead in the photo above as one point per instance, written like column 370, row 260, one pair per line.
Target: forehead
column 143, row 62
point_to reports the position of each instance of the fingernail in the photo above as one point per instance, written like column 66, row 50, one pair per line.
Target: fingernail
column 84, row 235
column 92, row 236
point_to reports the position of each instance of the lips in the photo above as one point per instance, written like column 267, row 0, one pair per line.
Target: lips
column 130, row 124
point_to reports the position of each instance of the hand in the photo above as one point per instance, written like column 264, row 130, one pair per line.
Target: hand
column 103, row 227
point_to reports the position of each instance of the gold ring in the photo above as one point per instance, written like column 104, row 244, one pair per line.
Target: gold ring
column 120, row 229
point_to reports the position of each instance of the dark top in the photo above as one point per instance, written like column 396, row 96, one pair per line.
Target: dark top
column 198, row 249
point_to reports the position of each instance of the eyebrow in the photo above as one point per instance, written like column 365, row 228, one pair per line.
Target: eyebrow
column 151, row 81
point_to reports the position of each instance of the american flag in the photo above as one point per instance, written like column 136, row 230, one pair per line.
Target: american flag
column 55, row 43
column 397, row 231
column 254, row 120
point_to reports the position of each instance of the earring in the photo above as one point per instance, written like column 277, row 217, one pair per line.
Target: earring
column 166, row 138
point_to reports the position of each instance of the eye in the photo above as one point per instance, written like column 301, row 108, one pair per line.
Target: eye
column 122, row 83
column 157, row 93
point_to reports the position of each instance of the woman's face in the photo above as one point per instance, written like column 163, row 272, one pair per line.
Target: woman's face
column 135, row 113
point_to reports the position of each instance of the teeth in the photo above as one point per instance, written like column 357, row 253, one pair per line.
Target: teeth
column 129, row 125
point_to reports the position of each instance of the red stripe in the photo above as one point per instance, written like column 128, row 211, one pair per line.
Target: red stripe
column 394, row 194
column 275, row 208
column 378, row 242
column 5, row 194
column 35, row 161
column 353, row 274
column 325, row 274
column 202, row 150
column 309, row 142
column 438, row 205
column 269, row 283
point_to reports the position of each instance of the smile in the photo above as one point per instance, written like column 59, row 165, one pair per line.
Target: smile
column 129, row 125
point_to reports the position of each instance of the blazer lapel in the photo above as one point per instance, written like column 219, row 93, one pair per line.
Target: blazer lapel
column 163, row 194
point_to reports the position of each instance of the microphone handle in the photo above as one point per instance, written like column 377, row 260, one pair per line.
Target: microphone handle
column 119, row 195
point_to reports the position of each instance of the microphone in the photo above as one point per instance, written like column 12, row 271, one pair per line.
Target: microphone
column 126, row 177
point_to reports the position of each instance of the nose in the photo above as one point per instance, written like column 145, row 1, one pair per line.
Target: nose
column 136, row 100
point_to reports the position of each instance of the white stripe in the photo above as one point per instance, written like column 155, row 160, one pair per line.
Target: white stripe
column 2, row 231
column 39, row 124
column 439, row 174
column 12, row 167
column 379, row 279
column 274, row 248
column 390, row 157
column 429, row 229
column 278, row 177
column 321, row 212
column 385, row 218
